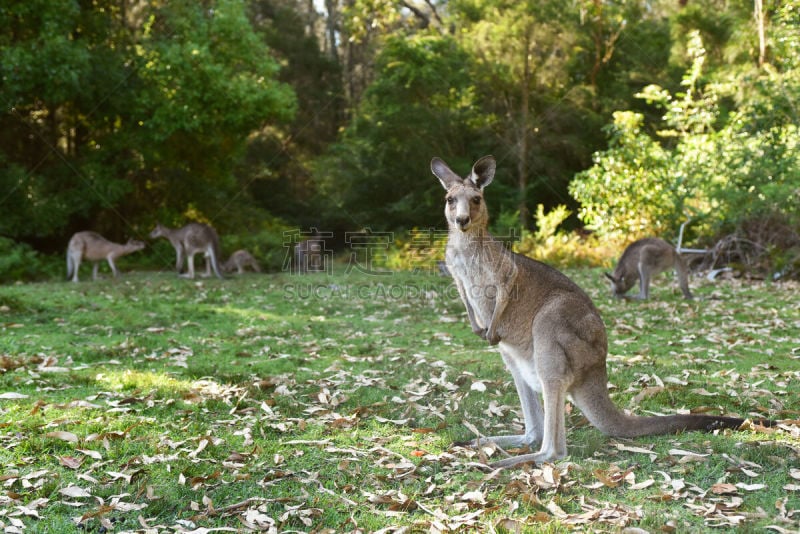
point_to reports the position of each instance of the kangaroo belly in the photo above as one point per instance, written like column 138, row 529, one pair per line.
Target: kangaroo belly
column 196, row 248
column 520, row 362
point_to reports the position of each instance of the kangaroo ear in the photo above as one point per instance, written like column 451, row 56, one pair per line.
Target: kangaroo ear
column 483, row 171
column 440, row 169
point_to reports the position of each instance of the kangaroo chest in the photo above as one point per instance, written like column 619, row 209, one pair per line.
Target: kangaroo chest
column 480, row 272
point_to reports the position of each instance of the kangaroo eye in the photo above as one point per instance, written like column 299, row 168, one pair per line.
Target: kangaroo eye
column 476, row 200
column 451, row 200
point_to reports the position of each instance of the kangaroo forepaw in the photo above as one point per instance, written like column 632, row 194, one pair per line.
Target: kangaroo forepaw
column 492, row 338
column 480, row 332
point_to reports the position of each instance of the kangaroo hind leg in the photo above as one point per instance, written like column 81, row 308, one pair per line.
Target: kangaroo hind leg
column 526, row 383
column 111, row 264
column 73, row 265
column 549, row 369
column 190, row 266
column 682, row 271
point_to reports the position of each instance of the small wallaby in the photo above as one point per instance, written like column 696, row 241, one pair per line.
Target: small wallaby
column 549, row 333
column 96, row 248
column 642, row 260
column 309, row 256
column 188, row 241
column 239, row 260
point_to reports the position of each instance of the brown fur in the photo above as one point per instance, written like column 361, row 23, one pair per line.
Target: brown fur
column 96, row 248
column 549, row 332
column 188, row 241
column 239, row 260
column 644, row 259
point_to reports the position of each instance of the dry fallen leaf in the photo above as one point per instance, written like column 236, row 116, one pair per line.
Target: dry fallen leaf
column 70, row 461
column 10, row 395
column 63, row 435
column 74, row 492
column 724, row 488
column 91, row 454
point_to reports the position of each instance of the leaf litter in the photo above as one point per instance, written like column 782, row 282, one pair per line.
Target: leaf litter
column 385, row 458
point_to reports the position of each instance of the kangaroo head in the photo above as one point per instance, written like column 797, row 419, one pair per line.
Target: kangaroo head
column 158, row 231
column 618, row 284
column 465, row 208
column 135, row 244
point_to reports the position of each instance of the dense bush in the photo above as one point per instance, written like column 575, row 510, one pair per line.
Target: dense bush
column 553, row 245
column 728, row 170
column 19, row 262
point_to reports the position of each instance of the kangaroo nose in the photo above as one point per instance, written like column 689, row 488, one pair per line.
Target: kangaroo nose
column 462, row 221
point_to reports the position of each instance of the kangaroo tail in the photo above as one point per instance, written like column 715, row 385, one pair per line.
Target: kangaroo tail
column 74, row 254
column 70, row 265
column 594, row 402
column 214, row 250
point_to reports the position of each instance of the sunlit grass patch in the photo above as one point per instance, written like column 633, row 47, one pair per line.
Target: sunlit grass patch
column 148, row 381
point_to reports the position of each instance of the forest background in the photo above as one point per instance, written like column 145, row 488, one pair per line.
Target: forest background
column 265, row 117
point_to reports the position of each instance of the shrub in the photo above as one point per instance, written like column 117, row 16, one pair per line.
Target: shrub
column 18, row 261
column 559, row 248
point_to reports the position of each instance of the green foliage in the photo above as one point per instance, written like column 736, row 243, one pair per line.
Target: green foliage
column 420, row 105
column 61, row 85
column 269, row 244
column 421, row 250
column 208, row 81
column 275, row 170
column 726, row 169
column 627, row 190
column 552, row 244
column 417, row 251
column 638, row 186
column 120, row 116
column 18, row 261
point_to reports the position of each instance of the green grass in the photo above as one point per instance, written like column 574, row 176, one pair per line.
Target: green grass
column 331, row 402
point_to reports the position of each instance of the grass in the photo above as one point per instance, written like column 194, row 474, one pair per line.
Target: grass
column 330, row 402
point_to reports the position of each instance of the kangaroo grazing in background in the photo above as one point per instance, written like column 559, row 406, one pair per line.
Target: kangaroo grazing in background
column 96, row 248
column 239, row 260
column 188, row 241
column 644, row 259
column 549, row 333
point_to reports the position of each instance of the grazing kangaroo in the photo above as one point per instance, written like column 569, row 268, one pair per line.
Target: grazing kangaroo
column 644, row 259
column 549, row 333
column 239, row 260
column 96, row 248
column 309, row 255
column 188, row 241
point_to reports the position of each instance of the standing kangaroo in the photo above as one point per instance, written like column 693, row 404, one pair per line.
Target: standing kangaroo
column 549, row 333
column 644, row 259
column 96, row 248
column 239, row 260
column 188, row 241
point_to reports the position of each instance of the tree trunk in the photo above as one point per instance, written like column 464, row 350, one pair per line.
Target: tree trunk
column 330, row 28
column 522, row 141
column 762, row 45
